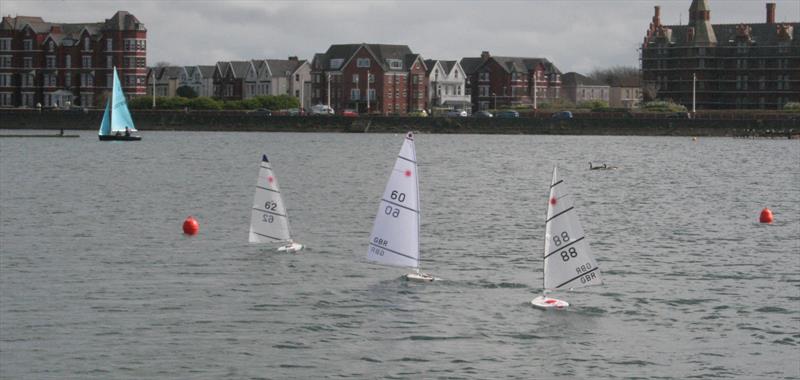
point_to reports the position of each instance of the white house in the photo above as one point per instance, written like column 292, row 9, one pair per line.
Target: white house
column 447, row 85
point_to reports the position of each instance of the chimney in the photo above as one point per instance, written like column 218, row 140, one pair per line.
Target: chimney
column 770, row 13
column 657, row 16
column 292, row 58
column 485, row 55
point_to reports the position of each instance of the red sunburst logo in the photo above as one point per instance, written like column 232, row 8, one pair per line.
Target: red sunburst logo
column 408, row 173
column 270, row 179
column 553, row 201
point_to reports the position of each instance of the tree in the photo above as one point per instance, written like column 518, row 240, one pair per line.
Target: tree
column 186, row 92
column 626, row 76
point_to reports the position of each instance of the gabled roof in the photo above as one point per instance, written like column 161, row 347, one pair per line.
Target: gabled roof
column 575, row 79
column 381, row 52
column 471, row 65
column 123, row 20
column 169, row 72
column 761, row 33
column 448, row 65
column 279, row 67
column 239, row 68
column 522, row 64
column 207, row 71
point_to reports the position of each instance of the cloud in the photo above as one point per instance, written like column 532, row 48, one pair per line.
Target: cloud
column 577, row 35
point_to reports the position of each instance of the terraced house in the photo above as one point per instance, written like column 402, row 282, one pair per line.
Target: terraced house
column 745, row 65
column 501, row 82
column 447, row 85
column 238, row 80
column 55, row 64
column 370, row 78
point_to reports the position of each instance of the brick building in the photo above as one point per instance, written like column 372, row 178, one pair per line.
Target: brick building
column 374, row 78
column 58, row 63
column 578, row 88
column 747, row 65
column 500, row 82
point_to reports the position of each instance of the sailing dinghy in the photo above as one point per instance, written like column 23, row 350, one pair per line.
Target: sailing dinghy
column 568, row 261
column 269, row 222
column 117, row 124
column 395, row 235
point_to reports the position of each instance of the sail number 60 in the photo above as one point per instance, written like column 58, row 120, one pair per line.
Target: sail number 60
column 395, row 212
column 401, row 197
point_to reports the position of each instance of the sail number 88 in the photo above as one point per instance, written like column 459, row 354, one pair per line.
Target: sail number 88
column 560, row 239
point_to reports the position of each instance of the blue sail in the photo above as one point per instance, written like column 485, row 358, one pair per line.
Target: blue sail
column 105, row 125
column 120, row 116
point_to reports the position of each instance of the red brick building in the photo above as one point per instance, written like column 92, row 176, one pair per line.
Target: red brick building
column 501, row 82
column 746, row 65
column 370, row 78
column 58, row 64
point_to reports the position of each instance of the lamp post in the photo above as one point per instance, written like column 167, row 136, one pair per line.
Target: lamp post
column 367, row 92
column 154, row 86
column 494, row 97
column 329, row 90
column 535, row 90
column 694, row 93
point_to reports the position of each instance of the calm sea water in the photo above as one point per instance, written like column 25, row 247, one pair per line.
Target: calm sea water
column 98, row 282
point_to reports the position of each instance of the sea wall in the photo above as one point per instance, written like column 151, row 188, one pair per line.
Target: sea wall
column 168, row 120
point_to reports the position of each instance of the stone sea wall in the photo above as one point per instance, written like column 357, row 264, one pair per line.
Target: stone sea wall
column 168, row 120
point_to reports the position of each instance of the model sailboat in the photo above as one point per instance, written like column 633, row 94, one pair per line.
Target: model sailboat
column 395, row 235
column 117, row 124
column 269, row 222
column 568, row 261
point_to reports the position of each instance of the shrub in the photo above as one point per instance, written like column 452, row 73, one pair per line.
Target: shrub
column 556, row 105
column 233, row 105
column 141, row 102
column 204, row 103
column 792, row 107
column 171, row 102
column 594, row 105
column 663, row 106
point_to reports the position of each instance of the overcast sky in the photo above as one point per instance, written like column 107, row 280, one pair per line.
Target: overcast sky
column 576, row 35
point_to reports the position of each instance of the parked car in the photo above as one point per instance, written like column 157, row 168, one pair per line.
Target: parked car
column 321, row 109
column 483, row 114
column 506, row 114
column 456, row 113
column 350, row 113
column 418, row 113
column 562, row 115
column 261, row 112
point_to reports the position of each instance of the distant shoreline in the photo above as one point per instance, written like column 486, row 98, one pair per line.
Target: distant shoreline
column 783, row 125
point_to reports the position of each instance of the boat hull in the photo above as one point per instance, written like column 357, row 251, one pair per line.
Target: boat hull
column 119, row 138
column 419, row 277
column 545, row 303
column 291, row 248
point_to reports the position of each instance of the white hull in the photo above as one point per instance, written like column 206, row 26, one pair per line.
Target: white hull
column 419, row 277
column 544, row 302
column 291, row 248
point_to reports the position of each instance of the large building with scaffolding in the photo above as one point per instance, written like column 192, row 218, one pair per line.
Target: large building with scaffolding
column 722, row 66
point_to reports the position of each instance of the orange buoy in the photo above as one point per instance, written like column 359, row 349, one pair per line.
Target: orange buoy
column 766, row 216
column 190, row 226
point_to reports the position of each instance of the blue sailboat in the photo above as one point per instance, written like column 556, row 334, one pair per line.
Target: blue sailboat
column 117, row 124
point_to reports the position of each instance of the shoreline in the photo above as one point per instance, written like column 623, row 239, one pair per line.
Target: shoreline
column 783, row 125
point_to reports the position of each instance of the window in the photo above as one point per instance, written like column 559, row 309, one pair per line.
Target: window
column 355, row 78
column 741, row 47
column 336, row 63
column 484, row 76
column 27, row 99
column 27, row 45
column 362, row 62
column 5, row 44
column 86, row 61
column 127, row 45
column 483, row 91
column 50, row 80
column 5, row 61
column 87, row 80
column 109, row 80
column 5, row 80
column 27, row 62
column 86, row 100
column 414, row 79
column 51, row 46
column 371, row 78
column 783, row 47
column 68, row 62
column 68, row 80
column 296, row 77
column 27, row 80
column 762, row 84
column 109, row 44
column 109, row 61
column 5, row 98
column 371, row 94
column 455, row 74
column 355, row 94
column 395, row 64
column 50, row 61
column 87, row 44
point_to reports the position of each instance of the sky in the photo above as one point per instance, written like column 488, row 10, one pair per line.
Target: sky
column 576, row 35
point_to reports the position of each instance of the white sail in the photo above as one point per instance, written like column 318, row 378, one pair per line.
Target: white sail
column 269, row 221
column 568, row 261
column 395, row 234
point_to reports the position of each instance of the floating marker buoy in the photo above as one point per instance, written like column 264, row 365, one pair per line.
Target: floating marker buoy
column 766, row 216
column 190, row 226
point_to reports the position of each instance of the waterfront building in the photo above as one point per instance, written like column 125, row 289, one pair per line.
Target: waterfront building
column 53, row 64
column 625, row 92
column 201, row 79
column 501, row 82
column 370, row 78
column 578, row 88
column 239, row 80
column 745, row 65
column 447, row 85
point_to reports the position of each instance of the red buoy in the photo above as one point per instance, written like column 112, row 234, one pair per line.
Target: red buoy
column 766, row 216
column 190, row 226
